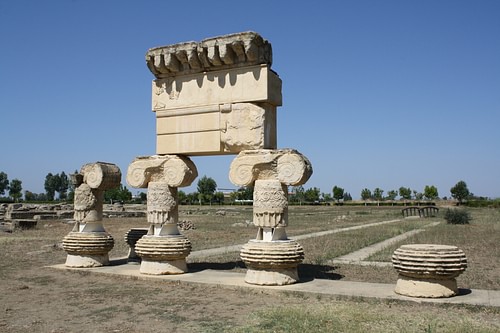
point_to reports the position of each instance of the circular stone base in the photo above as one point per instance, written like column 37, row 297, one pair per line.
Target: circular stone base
column 87, row 261
column 163, row 267
column 430, row 288
column 270, row 277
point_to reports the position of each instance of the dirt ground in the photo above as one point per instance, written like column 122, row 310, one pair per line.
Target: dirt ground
column 36, row 298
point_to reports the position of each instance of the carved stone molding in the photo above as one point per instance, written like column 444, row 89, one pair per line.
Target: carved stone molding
column 272, row 263
column 270, row 204
column 428, row 270
column 88, row 244
column 162, row 204
column 286, row 165
column 228, row 51
column 175, row 170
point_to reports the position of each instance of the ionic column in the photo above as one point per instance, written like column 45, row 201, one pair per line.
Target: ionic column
column 88, row 244
column 271, row 258
column 163, row 249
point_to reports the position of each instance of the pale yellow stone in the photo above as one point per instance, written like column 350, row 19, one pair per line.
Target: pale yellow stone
column 218, row 96
column 228, row 51
column 272, row 263
column 87, row 249
column 286, row 165
column 219, row 129
column 256, row 84
column 428, row 270
column 163, row 254
column 176, row 171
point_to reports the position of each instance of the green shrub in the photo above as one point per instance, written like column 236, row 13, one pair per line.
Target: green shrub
column 457, row 216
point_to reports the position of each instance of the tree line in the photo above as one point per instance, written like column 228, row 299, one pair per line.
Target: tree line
column 207, row 193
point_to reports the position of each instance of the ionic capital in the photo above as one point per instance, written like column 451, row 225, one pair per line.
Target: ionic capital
column 285, row 165
column 175, row 170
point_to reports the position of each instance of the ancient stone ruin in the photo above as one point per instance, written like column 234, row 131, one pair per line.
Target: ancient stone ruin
column 219, row 96
column 88, row 244
column 164, row 249
column 428, row 270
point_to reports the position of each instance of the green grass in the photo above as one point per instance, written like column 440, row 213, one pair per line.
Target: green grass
column 368, row 316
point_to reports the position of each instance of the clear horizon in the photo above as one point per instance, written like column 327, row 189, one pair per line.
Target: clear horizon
column 376, row 94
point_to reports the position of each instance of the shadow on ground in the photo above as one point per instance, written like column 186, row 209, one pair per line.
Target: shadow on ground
column 307, row 272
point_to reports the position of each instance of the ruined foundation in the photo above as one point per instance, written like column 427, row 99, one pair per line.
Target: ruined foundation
column 428, row 270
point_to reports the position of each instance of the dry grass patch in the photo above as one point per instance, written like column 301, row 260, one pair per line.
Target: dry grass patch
column 479, row 241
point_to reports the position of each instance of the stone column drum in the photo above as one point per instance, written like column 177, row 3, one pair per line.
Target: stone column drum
column 428, row 270
column 88, row 244
column 163, row 249
column 131, row 238
column 271, row 258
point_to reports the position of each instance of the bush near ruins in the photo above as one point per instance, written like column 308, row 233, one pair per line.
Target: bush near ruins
column 457, row 216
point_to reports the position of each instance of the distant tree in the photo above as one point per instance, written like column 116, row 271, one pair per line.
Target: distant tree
column 243, row 193
column 460, row 192
column 120, row 193
column 50, row 186
column 347, row 196
column 29, row 196
column 4, row 183
column 327, row 197
column 206, row 189
column 181, row 195
column 192, row 198
column 338, row 193
column 418, row 195
column 431, row 192
column 15, row 189
column 219, row 198
column 312, row 195
column 298, row 194
column 391, row 195
column 366, row 194
column 378, row 194
column 62, row 185
column 405, row 193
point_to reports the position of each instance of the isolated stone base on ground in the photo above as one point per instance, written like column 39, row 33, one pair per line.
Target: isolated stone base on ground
column 269, row 277
column 272, row 263
column 163, row 267
column 428, row 270
column 431, row 288
column 87, row 261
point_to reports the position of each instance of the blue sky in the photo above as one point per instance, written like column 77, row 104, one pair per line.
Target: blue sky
column 375, row 93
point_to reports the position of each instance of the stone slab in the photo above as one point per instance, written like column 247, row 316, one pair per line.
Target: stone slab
column 316, row 286
column 238, row 85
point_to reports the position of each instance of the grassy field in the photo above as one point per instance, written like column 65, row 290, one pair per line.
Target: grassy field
column 38, row 299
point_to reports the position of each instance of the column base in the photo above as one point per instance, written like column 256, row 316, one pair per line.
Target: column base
column 150, row 267
column 272, row 277
column 427, row 288
column 87, row 261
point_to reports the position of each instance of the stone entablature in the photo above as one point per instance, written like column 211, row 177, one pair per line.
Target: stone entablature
column 215, row 97
column 228, row 51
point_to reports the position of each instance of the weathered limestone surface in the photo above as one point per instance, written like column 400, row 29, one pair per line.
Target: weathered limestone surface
column 271, row 258
column 228, row 51
column 163, row 249
column 218, row 96
column 88, row 244
column 131, row 238
column 428, row 270
column 176, row 171
column 272, row 263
